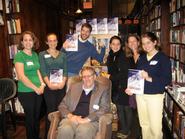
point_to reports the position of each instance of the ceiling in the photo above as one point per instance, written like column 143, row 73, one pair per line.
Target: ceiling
column 120, row 8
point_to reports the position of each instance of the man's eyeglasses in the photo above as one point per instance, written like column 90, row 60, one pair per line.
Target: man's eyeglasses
column 87, row 76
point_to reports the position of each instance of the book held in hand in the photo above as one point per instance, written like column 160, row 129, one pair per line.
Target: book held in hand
column 135, row 81
column 56, row 75
column 73, row 42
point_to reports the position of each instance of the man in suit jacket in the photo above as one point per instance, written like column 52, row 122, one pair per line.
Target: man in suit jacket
column 82, row 106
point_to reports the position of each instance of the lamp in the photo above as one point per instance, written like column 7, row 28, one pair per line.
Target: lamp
column 78, row 11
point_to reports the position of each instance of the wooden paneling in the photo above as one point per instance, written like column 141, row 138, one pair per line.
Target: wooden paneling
column 4, row 57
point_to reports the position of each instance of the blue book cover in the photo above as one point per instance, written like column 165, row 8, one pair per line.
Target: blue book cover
column 56, row 75
column 135, row 81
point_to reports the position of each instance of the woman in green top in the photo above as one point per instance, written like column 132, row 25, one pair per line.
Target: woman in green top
column 54, row 72
column 30, row 83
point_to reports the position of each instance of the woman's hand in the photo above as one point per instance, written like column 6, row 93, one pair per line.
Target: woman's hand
column 61, row 85
column 39, row 90
column 128, row 92
column 53, row 86
column 145, row 75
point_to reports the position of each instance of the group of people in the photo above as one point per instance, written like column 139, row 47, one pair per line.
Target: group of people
column 74, row 100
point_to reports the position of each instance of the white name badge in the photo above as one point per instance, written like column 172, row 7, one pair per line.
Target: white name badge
column 47, row 56
column 29, row 63
column 153, row 62
column 96, row 107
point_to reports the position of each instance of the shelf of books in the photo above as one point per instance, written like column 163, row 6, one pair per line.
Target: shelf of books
column 177, row 40
column 174, row 110
column 153, row 20
column 13, row 24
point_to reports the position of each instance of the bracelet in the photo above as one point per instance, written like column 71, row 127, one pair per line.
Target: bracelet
column 43, row 84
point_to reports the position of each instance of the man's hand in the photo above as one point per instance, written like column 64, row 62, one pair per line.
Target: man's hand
column 66, row 44
column 73, row 118
column 83, row 120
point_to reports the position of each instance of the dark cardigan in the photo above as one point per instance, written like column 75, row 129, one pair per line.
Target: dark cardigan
column 118, row 65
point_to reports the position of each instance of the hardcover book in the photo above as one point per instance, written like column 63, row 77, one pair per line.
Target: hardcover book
column 56, row 75
column 135, row 81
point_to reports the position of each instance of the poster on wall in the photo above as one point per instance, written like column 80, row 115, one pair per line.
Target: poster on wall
column 93, row 23
column 113, row 25
column 79, row 25
column 102, row 26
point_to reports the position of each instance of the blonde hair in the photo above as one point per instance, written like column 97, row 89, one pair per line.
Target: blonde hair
column 89, row 68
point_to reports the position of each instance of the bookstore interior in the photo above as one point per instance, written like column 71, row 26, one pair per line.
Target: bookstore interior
column 165, row 18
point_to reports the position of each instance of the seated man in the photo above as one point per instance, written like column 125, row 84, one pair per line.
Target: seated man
column 82, row 107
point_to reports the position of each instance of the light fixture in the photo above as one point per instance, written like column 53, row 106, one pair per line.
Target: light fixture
column 78, row 11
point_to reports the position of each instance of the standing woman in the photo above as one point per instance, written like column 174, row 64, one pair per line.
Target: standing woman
column 156, row 68
column 30, row 83
column 53, row 62
column 118, row 65
column 134, row 50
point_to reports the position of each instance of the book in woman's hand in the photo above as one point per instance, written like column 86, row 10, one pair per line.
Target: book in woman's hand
column 56, row 75
column 135, row 81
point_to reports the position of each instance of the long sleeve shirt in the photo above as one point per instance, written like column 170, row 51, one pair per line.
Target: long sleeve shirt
column 76, row 59
column 159, row 69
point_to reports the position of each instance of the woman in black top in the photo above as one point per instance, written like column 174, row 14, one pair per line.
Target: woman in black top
column 133, row 49
column 118, row 65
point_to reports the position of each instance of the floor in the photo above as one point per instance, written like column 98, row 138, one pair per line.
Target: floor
column 21, row 134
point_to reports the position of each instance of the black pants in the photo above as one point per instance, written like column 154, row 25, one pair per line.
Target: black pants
column 31, row 103
column 128, row 119
column 52, row 100
column 125, row 115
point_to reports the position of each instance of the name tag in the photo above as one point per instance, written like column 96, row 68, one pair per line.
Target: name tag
column 47, row 56
column 153, row 62
column 96, row 107
column 29, row 63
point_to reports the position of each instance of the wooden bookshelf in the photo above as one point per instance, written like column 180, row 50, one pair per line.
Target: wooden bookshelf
column 167, row 20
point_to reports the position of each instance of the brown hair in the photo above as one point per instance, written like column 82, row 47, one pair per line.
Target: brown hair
column 87, row 25
column 128, row 51
column 115, row 38
column 35, row 40
column 49, row 35
column 152, row 37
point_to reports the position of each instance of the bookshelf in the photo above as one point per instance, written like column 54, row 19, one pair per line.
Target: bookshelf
column 11, row 15
column 174, row 112
column 152, row 18
column 13, row 25
column 177, row 51
column 177, row 40
column 167, row 20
